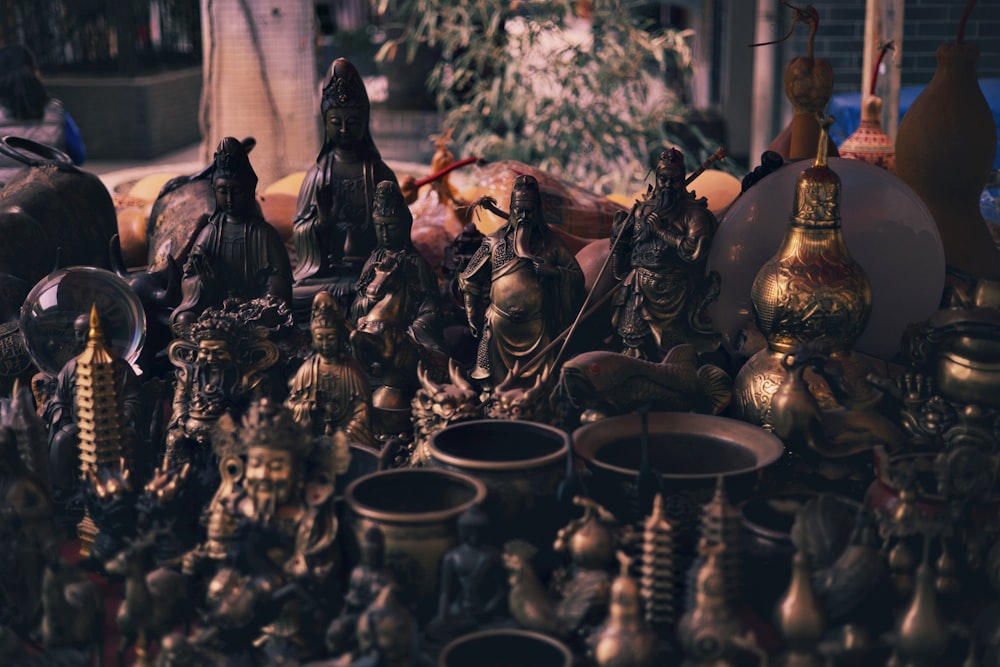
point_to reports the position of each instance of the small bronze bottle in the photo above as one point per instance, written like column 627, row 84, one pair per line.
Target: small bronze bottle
column 810, row 290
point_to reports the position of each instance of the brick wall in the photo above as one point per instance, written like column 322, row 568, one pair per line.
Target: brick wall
column 927, row 23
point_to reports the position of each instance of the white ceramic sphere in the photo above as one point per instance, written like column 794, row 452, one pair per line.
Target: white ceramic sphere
column 887, row 228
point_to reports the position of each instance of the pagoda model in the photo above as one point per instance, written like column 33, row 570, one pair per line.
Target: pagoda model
column 100, row 414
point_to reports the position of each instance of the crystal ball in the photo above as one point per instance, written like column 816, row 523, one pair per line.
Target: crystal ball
column 887, row 229
column 53, row 305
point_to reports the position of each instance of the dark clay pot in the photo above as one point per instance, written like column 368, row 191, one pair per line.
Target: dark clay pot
column 505, row 648
column 688, row 451
column 521, row 463
column 416, row 510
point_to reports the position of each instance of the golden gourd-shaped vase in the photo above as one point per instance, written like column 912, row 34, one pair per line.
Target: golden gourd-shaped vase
column 944, row 151
column 810, row 290
column 869, row 143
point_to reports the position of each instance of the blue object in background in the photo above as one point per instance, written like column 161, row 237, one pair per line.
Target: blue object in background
column 846, row 110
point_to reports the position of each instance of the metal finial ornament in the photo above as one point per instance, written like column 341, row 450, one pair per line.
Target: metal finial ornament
column 922, row 636
column 624, row 639
column 800, row 617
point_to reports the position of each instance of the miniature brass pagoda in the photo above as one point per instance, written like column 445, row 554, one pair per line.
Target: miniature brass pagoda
column 104, row 440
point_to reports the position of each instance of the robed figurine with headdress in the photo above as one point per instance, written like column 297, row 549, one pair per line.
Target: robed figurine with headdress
column 329, row 392
column 236, row 252
column 332, row 230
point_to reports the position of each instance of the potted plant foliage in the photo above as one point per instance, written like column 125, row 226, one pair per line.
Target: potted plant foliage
column 589, row 96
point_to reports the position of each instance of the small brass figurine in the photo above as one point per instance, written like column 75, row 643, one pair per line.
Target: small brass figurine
column 330, row 392
column 658, row 581
column 853, row 427
column 522, row 288
column 73, row 608
column 155, row 599
column 285, row 489
column 419, row 312
column 368, row 578
column 710, row 631
column 472, row 580
column 332, row 230
column 236, row 252
column 583, row 589
column 922, row 635
column 660, row 250
column 111, row 512
column 512, row 400
column 388, row 635
column 220, row 363
column 397, row 310
column 436, row 405
column 282, row 503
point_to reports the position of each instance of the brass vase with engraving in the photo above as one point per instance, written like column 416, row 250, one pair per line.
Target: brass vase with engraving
column 810, row 290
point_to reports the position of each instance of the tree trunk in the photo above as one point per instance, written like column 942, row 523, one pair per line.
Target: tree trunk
column 260, row 80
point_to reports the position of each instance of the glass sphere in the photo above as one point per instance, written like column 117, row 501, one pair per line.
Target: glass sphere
column 54, row 304
column 887, row 228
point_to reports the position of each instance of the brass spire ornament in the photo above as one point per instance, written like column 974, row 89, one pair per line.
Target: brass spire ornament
column 103, row 432
column 810, row 290
column 624, row 639
column 658, row 571
column 800, row 617
column 101, row 417
column 922, row 636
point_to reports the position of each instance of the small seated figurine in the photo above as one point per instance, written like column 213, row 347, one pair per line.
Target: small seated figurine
column 367, row 579
column 660, row 250
column 329, row 392
column 236, row 252
column 472, row 580
column 522, row 288
column 387, row 634
column 332, row 229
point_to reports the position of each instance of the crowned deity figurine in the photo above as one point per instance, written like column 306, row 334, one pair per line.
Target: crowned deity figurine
column 659, row 250
column 330, row 392
column 522, row 288
column 277, row 495
column 332, row 229
column 219, row 361
column 236, row 253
